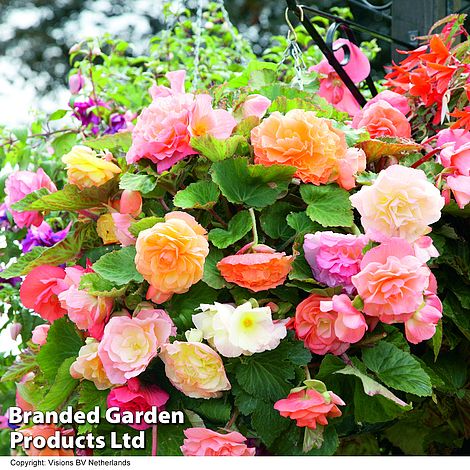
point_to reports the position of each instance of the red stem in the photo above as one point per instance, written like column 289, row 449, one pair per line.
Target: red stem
column 154, row 440
column 425, row 158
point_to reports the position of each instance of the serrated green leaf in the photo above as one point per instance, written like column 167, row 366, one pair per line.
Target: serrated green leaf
column 268, row 423
column 273, row 221
column 144, row 224
column 397, row 369
column 328, row 205
column 215, row 149
column 237, row 228
column 119, row 140
column 71, row 198
column 63, row 342
column 118, row 266
column 256, row 186
column 212, row 276
column 199, row 195
column 94, row 284
column 142, row 182
column 64, row 384
column 302, row 223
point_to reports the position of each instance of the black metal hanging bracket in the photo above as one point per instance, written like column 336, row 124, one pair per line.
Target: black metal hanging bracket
column 327, row 47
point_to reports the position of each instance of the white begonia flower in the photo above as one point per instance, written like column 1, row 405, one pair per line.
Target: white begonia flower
column 234, row 331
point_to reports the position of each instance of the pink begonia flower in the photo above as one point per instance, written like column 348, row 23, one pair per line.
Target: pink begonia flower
column 334, row 258
column 204, row 120
column 164, row 129
column 40, row 290
column 424, row 249
column 17, row 186
column 422, row 324
column 39, row 336
column 310, row 408
column 382, row 119
column 122, row 222
column 88, row 312
column 332, row 87
column 353, row 163
column 4, row 423
column 137, row 397
column 458, row 137
column 130, row 343
column 392, row 281
column 398, row 101
column 205, row 442
column 76, row 83
column 456, row 160
column 130, row 203
column 255, row 105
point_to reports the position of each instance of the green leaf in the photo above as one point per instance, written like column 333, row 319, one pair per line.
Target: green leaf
column 437, row 340
column 118, row 266
column 273, row 221
column 182, row 307
column 237, row 228
column 120, row 140
column 212, row 276
column 68, row 199
column 397, row 369
column 63, row 342
column 302, row 223
column 64, row 384
column 214, row 410
column 94, row 284
column 144, row 224
column 138, row 182
column 268, row 423
column 215, row 149
column 370, row 386
column 64, row 143
column 328, row 205
column 257, row 186
column 58, row 114
column 200, row 195
column 62, row 252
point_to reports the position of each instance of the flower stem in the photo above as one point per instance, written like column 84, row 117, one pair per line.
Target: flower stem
column 307, row 373
column 154, row 440
column 253, row 221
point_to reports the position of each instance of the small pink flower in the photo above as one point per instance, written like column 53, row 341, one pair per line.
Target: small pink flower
column 130, row 343
column 382, row 119
column 17, row 186
column 134, row 397
column 392, row 281
column 350, row 325
column 40, row 290
column 460, row 186
column 334, row 258
column 353, row 163
column 88, row 312
column 39, row 336
column 398, row 101
column 332, row 87
column 76, row 83
column 424, row 249
column 202, row 441
column 310, row 408
column 15, row 330
column 255, row 105
column 122, row 222
column 422, row 325
column 130, row 203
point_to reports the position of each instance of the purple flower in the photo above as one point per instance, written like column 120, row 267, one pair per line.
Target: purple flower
column 116, row 123
column 4, row 222
column 84, row 111
column 43, row 236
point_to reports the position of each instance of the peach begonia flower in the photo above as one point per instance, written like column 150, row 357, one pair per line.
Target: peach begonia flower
column 381, row 119
column 17, row 186
column 300, row 139
column 40, row 291
column 255, row 105
column 171, row 254
column 398, row 101
column 310, row 406
column 400, row 203
column 86, row 169
column 195, row 369
column 261, row 269
column 328, row 325
column 87, row 311
column 392, row 281
column 39, row 335
column 332, row 87
column 88, row 366
column 46, row 431
column 130, row 343
column 205, row 442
